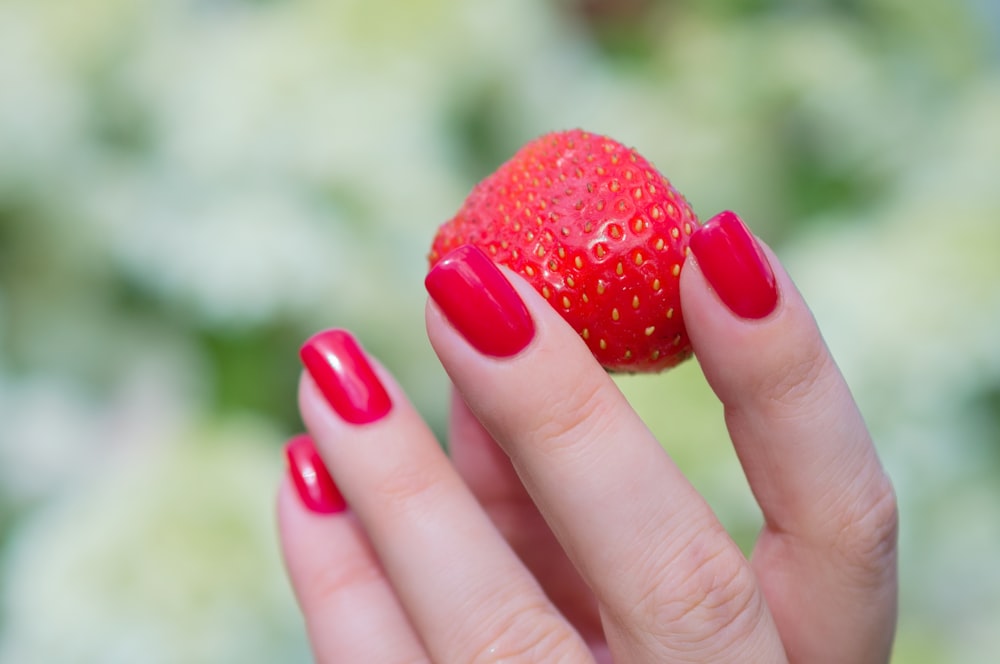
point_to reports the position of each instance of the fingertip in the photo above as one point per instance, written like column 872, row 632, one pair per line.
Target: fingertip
column 306, row 503
column 735, row 266
column 735, row 291
column 480, row 302
column 312, row 481
column 703, row 303
column 342, row 371
column 352, row 395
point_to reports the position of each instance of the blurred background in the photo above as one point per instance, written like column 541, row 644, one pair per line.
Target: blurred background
column 189, row 188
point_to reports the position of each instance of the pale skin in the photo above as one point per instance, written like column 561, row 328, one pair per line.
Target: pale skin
column 559, row 530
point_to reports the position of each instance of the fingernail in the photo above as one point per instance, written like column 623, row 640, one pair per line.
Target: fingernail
column 480, row 303
column 342, row 373
column 735, row 266
column 310, row 477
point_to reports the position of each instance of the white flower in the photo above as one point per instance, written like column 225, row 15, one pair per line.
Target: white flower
column 170, row 555
column 909, row 302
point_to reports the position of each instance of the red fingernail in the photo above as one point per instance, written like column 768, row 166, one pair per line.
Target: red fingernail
column 339, row 368
column 480, row 303
column 735, row 266
column 312, row 480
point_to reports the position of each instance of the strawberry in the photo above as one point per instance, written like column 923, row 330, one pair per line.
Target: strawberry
column 599, row 232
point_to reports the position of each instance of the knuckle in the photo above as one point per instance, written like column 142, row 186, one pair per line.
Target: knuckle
column 530, row 632
column 582, row 410
column 867, row 533
column 706, row 597
column 799, row 378
column 404, row 484
column 343, row 578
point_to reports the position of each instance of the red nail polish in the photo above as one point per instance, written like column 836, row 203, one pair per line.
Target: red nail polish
column 312, row 480
column 735, row 266
column 339, row 368
column 480, row 303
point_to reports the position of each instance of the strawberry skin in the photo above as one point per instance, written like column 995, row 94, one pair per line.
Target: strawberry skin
column 599, row 232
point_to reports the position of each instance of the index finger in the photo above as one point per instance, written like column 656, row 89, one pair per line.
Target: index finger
column 672, row 585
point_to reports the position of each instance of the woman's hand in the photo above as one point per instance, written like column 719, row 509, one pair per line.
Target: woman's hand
column 559, row 530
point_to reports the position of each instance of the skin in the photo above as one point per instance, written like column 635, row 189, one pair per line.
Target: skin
column 560, row 531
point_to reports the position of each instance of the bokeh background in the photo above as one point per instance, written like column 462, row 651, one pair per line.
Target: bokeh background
column 188, row 188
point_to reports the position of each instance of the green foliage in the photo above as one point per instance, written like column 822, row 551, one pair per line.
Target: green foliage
column 187, row 190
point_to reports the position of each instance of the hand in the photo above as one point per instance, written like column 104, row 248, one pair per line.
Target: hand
column 559, row 530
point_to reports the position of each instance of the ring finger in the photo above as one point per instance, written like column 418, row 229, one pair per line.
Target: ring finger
column 467, row 594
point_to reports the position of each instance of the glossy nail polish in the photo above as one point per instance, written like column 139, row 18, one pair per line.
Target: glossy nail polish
column 342, row 373
column 735, row 266
column 310, row 477
column 480, row 303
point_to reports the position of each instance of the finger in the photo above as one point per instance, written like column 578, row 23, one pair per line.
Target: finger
column 465, row 591
column 485, row 467
column 351, row 611
column 670, row 582
column 487, row 470
column 827, row 556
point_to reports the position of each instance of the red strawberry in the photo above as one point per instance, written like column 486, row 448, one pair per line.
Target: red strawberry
column 598, row 232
